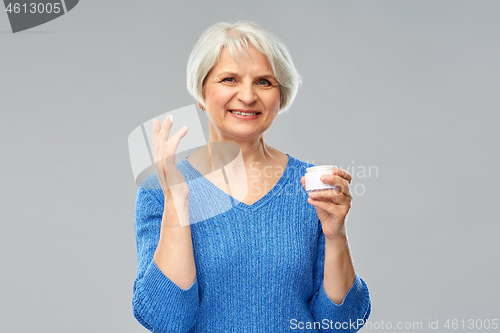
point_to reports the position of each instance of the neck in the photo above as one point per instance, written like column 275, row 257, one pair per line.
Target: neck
column 253, row 151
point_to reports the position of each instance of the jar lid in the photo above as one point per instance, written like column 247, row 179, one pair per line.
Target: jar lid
column 321, row 168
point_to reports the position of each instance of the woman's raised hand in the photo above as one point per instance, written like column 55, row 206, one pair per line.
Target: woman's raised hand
column 171, row 179
column 174, row 253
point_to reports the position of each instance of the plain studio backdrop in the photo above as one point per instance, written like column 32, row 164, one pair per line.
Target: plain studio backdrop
column 402, row 94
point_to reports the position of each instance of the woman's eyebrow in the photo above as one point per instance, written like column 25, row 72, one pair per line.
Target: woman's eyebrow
column 265, row 76
column 227, row 74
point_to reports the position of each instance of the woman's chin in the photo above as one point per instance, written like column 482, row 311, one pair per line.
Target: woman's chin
column 245, row 134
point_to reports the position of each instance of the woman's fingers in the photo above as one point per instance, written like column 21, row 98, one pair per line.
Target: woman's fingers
column 164, row 148
column 175, row 139
column 172, row 144
column 156, row 132
column 160, row 137
column 330, row 207
column 159, row 131
column 165, row 129
column 343, row 174
column 330, row 195
column 340, row 195
column 171, row 179
column 342, row 184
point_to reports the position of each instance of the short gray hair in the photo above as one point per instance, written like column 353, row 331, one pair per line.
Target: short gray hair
column 206, row 52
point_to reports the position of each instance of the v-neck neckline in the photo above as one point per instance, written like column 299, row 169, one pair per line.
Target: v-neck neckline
column 236, row 203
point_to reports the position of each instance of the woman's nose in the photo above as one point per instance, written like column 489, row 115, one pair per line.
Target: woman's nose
column 247, row 94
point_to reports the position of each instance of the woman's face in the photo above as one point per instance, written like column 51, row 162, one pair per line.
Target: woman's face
column 247, row 86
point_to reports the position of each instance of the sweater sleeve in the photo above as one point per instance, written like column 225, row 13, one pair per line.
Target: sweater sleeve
column 348, row 316
column 158, row 303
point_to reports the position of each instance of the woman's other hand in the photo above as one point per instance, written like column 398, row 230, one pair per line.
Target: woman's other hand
column 174, row 252
column 332, row 205
column 171, row 179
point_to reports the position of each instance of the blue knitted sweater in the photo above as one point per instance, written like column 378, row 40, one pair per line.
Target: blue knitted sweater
column 259, row 267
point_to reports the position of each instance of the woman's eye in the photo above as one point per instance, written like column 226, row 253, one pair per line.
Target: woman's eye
column 264, row 82
column 228, row 79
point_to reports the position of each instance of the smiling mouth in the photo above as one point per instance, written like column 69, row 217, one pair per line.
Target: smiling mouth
column 244, row 113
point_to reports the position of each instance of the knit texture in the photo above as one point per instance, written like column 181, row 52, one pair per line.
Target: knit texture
column 259, row 267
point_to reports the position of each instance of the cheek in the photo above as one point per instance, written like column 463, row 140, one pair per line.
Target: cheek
column 218, row 96
column 273, row 101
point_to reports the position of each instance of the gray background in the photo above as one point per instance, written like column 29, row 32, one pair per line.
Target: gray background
column 410, row 87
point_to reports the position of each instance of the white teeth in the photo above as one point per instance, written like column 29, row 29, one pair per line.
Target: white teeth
column 243, row 113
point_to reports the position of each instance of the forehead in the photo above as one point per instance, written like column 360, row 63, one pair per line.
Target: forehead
column 243, row 60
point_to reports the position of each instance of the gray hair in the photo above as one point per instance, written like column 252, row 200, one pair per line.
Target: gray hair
column 206, row 52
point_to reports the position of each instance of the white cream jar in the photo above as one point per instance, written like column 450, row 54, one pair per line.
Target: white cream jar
column 313, row 175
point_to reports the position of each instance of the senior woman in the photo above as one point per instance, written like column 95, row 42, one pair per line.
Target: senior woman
column 276, row 259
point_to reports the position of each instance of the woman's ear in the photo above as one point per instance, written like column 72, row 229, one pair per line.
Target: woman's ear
column 201, row 107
